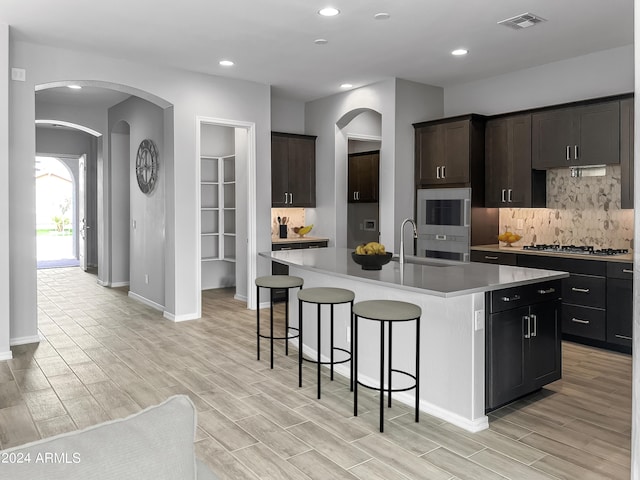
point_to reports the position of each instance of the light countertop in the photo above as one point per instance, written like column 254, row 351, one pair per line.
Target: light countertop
column 298, row 239
column 627, row 257
column 440, row 278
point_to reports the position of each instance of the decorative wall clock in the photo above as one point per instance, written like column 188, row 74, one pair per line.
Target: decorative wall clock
column 147, row 166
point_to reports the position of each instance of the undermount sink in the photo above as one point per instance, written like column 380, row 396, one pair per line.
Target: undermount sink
column 423, row 261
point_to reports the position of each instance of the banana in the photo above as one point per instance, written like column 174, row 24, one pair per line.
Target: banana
column 371, row 248
column 305, row 230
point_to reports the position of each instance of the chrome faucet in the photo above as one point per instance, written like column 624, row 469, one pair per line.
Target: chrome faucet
column 415, row 235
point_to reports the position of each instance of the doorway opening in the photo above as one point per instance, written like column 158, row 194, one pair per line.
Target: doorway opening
column 56, row 212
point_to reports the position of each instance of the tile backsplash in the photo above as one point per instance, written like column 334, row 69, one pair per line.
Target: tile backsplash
column 580, row 211
column 295, row 218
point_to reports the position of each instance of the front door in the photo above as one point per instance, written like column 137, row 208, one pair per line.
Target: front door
column 82, row 220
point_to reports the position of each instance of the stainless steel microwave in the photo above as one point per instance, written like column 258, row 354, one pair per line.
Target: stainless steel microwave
column 443, row 220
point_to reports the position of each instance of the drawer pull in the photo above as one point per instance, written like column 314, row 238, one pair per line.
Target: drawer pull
column 534, row 333
column 581, row 290
column 510, row 299
column 314, row 246
column 548, row 290
column 528, row 319
column 624, row 337
column 487, row 257
column 626, row 270
column 286, row 248
column 577, row 320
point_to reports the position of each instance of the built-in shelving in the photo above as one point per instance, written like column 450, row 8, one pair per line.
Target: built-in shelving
column 217, row 208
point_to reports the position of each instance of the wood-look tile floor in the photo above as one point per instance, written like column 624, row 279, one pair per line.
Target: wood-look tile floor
column 106, row 356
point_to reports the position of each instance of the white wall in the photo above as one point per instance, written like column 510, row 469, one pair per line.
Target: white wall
column 145, row 211
column 415, row 102
column 287, row 115
column 190, row 95
column 595, row 75
column 5, row 278
column 400, row 104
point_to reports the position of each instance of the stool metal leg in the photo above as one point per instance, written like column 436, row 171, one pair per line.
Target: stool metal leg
column 417, row 368
column 319, row 349
column 352, row 333
column 258, row 321
column 390, row 357
column 300, row 343
column 381, row 376
column 286, row 322
column 331, row 336
column 271, row 323
column 354, row 353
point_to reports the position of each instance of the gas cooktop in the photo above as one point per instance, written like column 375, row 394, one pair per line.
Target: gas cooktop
column 580, row 249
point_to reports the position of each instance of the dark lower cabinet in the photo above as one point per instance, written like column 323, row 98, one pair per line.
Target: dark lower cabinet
column 620, row 303
column 281, row 269
column 523, row 342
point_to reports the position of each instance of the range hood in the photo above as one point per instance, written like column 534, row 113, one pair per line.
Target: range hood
column 588, row 171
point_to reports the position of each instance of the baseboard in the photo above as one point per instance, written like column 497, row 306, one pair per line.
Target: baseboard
column 146, row 301
column 102, row 283
column 180, row 318
column 119, row 284
column 6, row 355
column 344, row 370
column 24, row 340
column 242, row 298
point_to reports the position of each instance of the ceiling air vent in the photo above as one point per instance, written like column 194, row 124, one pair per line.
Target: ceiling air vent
column 521, row 21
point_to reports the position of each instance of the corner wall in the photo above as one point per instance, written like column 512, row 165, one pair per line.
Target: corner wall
column 5, row 331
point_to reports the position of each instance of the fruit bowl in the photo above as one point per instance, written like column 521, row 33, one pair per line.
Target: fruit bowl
column 509, row 238
column 302, row 231
column 372, row 262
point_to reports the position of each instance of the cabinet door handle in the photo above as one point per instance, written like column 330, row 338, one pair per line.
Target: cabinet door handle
column 286, row 248
column 443, row 174
column 314, row 246
column 504, row 195
column 354, row 195
column 575, row 152
column 285, row 198
column 437, row 172
column 528, row 320
column 487, row 257
column 581, row 290
column 534, row 333
column 624, row 337
column 568, row 153
column 357, row 195
column 291, row 198
column 577, row 320
column 548, row 290
column 626, row 270
column 510, row 299
column 510, row 196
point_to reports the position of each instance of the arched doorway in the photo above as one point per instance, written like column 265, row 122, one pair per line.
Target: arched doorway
column 56, row 212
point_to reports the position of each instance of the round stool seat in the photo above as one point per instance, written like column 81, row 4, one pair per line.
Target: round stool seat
column 279, row 281
column 387, row 310
column 326, row 295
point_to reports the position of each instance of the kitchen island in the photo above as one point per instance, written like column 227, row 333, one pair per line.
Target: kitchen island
column 452, row 298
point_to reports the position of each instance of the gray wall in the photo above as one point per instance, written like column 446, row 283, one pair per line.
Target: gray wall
column 5, row 278
column 145, row 211
column 120, row 225
column 184, row 96
column 608, row 72
column 287, row 115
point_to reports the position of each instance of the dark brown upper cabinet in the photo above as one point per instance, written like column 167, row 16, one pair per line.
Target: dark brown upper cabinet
column 293, row 170
column 364, row 177
column 576, row 136
column 449, row 151
column 509, row 180
column 626, row 153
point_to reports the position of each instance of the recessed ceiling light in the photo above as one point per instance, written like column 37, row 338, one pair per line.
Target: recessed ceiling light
column 321, row 41
column 460, row 51
column 74, row 87
column 226, row 63
column 346, row 85
column 329, row 12
column 381, row 16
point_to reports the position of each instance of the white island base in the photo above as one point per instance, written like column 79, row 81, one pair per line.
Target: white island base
column 451, row 348
column 452, row 327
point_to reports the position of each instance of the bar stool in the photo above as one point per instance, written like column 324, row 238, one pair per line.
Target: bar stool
column 386, row 312
column 276, row 282
column 324, row 296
